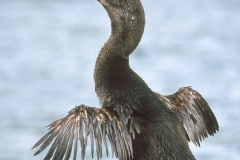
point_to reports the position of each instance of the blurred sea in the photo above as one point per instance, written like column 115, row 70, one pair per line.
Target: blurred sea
column 48, row 50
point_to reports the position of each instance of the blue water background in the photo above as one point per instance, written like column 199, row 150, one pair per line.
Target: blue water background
column 48, row 50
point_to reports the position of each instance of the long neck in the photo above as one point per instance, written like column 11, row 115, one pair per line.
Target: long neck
column 112, row 64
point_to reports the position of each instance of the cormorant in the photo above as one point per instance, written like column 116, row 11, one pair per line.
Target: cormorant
column 139, row 124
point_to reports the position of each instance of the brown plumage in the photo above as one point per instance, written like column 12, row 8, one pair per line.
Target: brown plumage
column 81, row 122
column 138, row 123
column 193, row 111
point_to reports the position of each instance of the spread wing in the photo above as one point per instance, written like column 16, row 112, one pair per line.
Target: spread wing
column 65, row 134
column 194, row 112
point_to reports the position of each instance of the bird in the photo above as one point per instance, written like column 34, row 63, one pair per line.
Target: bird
column 136, row 122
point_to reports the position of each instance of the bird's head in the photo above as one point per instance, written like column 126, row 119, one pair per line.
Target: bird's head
column 127, row 20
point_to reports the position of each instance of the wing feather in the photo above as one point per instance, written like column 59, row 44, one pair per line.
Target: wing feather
column 104, row 138
column 70, row 143
column 194, row 113
column 65, row 134
column 76, row 140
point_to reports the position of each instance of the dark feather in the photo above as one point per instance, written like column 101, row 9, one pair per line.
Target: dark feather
column 194, row 113
column 82, row 121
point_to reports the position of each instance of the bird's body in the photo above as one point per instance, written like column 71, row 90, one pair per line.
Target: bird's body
column 139, row 123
